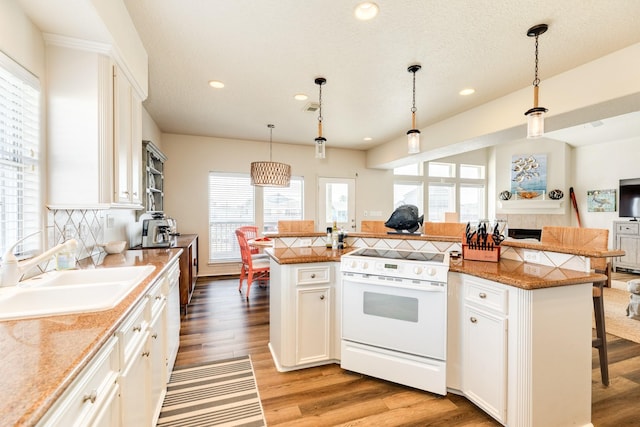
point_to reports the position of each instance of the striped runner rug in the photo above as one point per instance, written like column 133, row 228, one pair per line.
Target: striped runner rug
column 220, row 393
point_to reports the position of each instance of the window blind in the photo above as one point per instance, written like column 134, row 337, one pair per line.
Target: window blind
column 19, row 156
column 231, row 205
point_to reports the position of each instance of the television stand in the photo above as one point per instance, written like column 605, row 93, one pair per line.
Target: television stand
column 626, row 236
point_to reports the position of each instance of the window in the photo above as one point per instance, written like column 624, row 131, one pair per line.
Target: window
column 19, row 154
column 407, row 193
column 282, row 203
column 414, row 169
column 231, row 205
column 462, row 192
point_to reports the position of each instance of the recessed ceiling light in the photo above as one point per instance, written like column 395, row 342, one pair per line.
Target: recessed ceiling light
column 367, row 138
column 216, row 84
column 468, row 91
column 366, row 10
column 300, row 97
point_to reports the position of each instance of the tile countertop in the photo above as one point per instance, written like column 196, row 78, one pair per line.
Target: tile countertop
column 513, row 273
column 42, row 356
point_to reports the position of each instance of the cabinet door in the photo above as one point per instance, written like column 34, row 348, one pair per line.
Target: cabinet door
column 134, row 388
column 156, row 349
column 173, row 321
column 484, row 360
column 630, row 245
column 313, row 341
column 109, row 415
column 127, row 114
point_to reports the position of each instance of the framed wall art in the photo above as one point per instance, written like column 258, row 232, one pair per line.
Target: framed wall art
column 529, row 176
column 601, row 200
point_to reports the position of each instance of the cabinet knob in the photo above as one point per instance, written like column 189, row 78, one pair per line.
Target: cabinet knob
column 145, row 354
column 137, row 328
column 322, row 297
column 473, row 320
column 313, row 275
column 482, row 295
column 154, row 336
column 158, row 297
column 91, row 397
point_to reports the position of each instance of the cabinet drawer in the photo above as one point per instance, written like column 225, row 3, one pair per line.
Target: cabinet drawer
column 312, row 275
column 89, row 392
column 132, row 332
column 157, row 296
column 486, row 296
column 627, row 228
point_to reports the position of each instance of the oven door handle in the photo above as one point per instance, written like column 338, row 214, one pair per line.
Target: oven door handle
column 374, row 280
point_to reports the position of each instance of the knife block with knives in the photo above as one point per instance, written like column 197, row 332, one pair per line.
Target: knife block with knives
column 479, row 245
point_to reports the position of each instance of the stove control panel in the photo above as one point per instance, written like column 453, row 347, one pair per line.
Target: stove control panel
column 400, row 268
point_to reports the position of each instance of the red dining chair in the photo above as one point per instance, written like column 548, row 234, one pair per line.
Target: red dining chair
column 253, row 269
column 251, row 232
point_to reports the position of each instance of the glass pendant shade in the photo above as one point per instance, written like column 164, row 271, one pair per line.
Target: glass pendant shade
column 414, row 141
column 320, row 148
column 535, row 122
column 270, row 174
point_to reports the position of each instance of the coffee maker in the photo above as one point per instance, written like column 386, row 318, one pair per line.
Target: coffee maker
column 155, row 233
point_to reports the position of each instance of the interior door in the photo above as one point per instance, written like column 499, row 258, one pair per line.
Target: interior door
column 336, row 202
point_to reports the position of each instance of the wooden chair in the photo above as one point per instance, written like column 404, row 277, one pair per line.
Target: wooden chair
column 252, row 268
column 593, row 238
column 297, row 226
column 449, row 229
column 376, row 227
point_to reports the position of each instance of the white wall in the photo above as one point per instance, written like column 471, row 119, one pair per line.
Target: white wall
column 191, row 158
column 599, row 167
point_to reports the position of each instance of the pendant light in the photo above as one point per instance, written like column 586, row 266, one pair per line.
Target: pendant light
column 320, row 140
column 535, row 115
column 270, row 174
column 414, row 134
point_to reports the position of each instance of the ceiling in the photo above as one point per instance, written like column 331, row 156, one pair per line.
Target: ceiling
column 267, row 51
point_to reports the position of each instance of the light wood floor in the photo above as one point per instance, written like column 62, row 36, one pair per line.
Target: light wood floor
column 222, row 324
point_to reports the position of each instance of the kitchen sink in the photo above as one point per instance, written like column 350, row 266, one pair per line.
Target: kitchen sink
column 70, row 292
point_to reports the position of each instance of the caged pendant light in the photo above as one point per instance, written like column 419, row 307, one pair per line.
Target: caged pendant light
column 413, row 134
column 320, row 140
column 535, row 115
column 270, row 174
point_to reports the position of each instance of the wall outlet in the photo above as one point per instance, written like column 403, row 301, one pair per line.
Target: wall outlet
column 532, row 256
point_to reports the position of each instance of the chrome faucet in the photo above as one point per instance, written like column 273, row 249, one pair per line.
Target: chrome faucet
column 12, row 270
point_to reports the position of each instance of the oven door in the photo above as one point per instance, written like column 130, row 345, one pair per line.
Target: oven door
column 395, row 314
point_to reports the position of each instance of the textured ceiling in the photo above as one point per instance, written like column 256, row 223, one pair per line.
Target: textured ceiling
column 266, row 51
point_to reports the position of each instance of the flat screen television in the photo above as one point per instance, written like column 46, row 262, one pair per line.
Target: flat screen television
column 629, row 206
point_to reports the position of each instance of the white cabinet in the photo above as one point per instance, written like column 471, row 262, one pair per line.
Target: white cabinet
column 173, row 318
column 626, row 236
column 304, row 315
column 92, row 399
column 94, row 126
column 484, row 346
column 150, row 338
column 313, row 318
column 518, row 352
column 127, row 125
column 133, row 379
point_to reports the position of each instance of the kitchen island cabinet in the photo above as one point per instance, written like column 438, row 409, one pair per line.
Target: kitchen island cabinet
column 523, row 356
column 304, row 313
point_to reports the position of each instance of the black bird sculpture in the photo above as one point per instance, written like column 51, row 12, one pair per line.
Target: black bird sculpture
column 405, row 218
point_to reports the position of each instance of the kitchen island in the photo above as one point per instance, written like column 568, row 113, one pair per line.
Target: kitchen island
column 518, row 334
column 42, row 357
